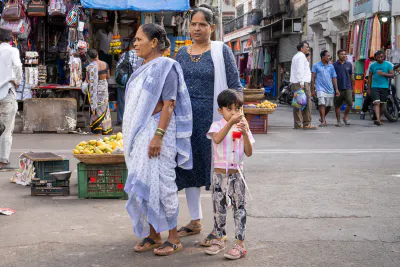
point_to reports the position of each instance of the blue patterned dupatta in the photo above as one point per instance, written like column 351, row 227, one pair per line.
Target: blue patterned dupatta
column 151, row 183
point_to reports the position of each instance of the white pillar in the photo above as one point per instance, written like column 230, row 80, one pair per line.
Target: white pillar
column 316, row 51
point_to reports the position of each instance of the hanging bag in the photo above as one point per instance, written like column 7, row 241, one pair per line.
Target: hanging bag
column 57, row 8
column 37, row 8
column 73, row 16
column 12, row 11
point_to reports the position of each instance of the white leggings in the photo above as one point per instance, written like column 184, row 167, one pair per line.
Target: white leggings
column 194, row 203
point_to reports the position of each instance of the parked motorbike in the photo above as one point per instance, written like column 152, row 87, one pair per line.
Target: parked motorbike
column 392, row 107
column 286, row 96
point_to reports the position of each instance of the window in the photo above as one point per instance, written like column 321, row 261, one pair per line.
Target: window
column 240, row 10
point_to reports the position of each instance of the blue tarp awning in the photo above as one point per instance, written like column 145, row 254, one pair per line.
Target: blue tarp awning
column 137, row 5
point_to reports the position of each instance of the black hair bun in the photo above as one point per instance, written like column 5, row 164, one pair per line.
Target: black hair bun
column 167, row 44
column 206, row 6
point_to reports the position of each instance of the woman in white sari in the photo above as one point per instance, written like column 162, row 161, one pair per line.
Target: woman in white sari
column 157, row 126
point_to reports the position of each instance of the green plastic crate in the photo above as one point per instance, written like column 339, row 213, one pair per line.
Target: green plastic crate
column 102, row 181
column 44, row 168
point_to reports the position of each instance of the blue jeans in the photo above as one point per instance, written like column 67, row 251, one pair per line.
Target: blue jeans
column 121, row 104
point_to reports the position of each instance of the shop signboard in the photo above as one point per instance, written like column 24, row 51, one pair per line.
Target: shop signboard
column 362, row 6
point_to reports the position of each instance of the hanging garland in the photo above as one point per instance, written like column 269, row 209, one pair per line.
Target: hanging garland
column 116, row 44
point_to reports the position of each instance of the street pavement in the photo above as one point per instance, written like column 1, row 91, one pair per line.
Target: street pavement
column 329, row 197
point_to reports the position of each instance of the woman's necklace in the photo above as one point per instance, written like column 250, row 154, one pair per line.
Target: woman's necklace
column 192, row 58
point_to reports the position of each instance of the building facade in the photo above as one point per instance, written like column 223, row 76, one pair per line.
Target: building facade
column 267, row 32
column 328, row 26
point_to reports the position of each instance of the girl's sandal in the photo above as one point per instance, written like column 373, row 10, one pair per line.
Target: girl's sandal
column 147, row 240
column 207, row 242
column 236, row 253
column 193, row 230
column 175, row 248
column 216, row 247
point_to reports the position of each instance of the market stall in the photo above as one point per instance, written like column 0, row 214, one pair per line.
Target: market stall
column 53, row 37
column 256, row 110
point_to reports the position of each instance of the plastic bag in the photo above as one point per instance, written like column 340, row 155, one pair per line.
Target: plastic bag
column 297, row 105
column 301, row 97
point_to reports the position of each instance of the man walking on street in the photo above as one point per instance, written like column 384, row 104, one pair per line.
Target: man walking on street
column 127, row 64
column 345, row 81
column 300, row 77
column 324, row 85
column 10, row 78
column 378, row 83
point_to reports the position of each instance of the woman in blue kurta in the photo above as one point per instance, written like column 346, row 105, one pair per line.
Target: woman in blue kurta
column 208, row 68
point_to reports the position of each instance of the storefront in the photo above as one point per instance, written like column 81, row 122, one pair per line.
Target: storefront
column 53, row 38
column 370, row 31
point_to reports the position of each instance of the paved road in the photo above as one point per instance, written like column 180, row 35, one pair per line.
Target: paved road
column 320, row 198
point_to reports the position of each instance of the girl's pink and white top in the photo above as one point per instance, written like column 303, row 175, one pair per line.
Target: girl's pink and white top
column 228, row 154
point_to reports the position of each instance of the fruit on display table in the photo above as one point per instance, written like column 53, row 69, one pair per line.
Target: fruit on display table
column 107, row 145
column 266, row 104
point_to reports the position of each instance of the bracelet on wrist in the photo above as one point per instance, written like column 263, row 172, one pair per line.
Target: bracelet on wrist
column 160, row 130
column 159, row 134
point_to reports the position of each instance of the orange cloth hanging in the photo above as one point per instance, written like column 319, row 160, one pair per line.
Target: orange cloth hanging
column 230, row 44
column 376, row 37
column 237, row 46
column 249, row 43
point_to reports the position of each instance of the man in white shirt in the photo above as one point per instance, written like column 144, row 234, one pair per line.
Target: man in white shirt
column 104, row 37
column 10, row 78
column 300, row 77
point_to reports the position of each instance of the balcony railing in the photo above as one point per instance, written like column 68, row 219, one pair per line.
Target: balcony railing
column 238, row 23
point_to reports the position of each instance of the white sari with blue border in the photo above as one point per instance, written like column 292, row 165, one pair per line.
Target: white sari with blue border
column 151, row 183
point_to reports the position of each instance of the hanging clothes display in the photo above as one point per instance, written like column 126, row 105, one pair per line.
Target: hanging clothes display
column 75, row 67
column 364, row 40
column 368, row 42
column 267, row 61
column 348, row 45
column 376, row 36
column 250, row 65
column 31, row 76
column 359, row 41
column 355, row 39
column 261, row 59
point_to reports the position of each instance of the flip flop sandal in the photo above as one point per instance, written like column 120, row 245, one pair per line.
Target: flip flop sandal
column 377, row 123
column 322, row 125
column 152, row 243
column 185, row 231
column 235, row 256
column 176, row 248
column 207, row 242
column 216, row 247
column 339, row 124
column 346, row 122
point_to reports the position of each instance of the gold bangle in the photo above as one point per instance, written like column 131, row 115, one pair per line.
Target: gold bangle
column 159, row 134
column 160, row 130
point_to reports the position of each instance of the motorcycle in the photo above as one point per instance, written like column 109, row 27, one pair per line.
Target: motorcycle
column 392, row 107
column 286, row 96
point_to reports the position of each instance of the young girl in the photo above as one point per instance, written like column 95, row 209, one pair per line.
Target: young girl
column 232, row 140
